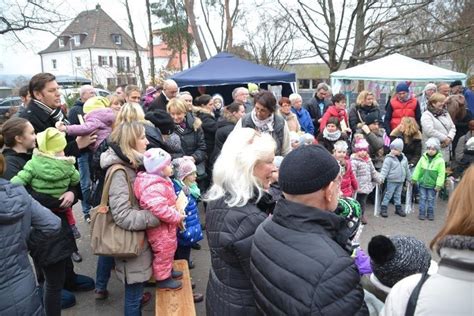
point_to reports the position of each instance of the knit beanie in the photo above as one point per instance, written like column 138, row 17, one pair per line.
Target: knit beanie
column 361, row 144
column 307, row 169
column 430, row 86
column 397, row 144
column 372, row 118
column 396, row 257
column 162, row 120
column 51, row 141
column 95, row 103
column 433, row 142
column 155, row 160
column 470, row 144
column 150, row 91
column 183, row 168
column 455, row 83
column 402, row 86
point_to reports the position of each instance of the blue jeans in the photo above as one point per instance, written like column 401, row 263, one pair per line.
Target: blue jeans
column 83, row 163
column 102, row 276
column 133, row 297
column 427, row 199
column 393, row 189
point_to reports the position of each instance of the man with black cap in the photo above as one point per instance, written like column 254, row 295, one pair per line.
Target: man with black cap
column 457, row 88
column 373, row 134
column 402, row 104
column 300, row 262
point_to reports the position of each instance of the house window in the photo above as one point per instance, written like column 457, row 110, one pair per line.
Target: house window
column 103, row 61
column 111, row 61
column 117, row 39
column 61, row 42
column 121, row 64
column 303, row 83
column 128, row 64
column 54, row 63
column 78, row 61
column 77, row 40
column 121, row 79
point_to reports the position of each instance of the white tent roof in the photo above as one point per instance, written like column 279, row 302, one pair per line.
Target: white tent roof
column 397, row 67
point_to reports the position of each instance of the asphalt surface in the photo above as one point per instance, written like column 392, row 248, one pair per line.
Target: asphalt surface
column 87, row 305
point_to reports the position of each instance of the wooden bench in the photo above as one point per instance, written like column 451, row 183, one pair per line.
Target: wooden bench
column 180, row 302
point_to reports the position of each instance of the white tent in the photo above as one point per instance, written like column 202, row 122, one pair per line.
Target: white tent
column 395, row 67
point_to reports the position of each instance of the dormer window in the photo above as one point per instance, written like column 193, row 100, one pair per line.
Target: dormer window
column 61, row 42
column 117, row 39
column 77, row 40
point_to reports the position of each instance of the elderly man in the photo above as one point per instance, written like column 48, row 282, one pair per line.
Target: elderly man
column 428, row 91
column 443, row 88
column 304, row 119
column 318, row 105
column 300, row 259
column 85, row 93
column 241, row 95
column 170, row 90
column 457, row 88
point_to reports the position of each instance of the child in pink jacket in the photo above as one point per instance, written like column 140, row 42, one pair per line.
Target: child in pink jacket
column 99, row 118
column 349, row 183
column 155, row 192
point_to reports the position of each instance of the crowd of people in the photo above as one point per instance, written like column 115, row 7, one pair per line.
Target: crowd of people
column 284, row 187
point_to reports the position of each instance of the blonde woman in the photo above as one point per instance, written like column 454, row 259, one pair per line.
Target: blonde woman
column 127, row 145
column 409, row 132
column 242, row 172
column 365, row 105
column 436, row 122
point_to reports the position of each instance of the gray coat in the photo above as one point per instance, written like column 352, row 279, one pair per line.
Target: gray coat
column 365, row 174
column 130, row 270
column 440, row 127
column 394, row 170
column 18, row 213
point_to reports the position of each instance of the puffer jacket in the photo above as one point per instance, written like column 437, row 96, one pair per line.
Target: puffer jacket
column 225, row 126
column 430, row 172
column 448, row 292
column 209, row 127
column 300, row 264
column 332, row 111
column 358, row 113
column 156, row 194
column 99, row 121
column 304, row 120
column 128, row 216
column 397, row 109
column 19, row 212
column 365, row 174
column 193, row 231
column 440, row 127
column 192, row 139
column 48, row 174
column 230, row 231
column 349, row 183
column 394, row 170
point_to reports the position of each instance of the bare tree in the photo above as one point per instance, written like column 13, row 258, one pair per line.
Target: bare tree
column 221, row 9
column 272, row 42
column 138, row 59
column 37, row 15
column 189, row 7
column 150, row 43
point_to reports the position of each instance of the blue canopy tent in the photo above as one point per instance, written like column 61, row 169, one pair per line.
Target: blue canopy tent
column 224, row 72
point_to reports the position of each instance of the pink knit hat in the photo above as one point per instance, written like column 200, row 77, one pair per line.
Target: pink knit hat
column 361, row 144
column 155, row 160
column 183, row 167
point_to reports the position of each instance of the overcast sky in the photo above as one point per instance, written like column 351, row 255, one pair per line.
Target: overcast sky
column 16, row 58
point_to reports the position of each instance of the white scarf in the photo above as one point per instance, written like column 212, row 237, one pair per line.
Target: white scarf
column 263, row 126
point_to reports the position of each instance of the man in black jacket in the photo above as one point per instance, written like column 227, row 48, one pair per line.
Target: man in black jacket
column 170, row 90
column 300, row 259
column 318, row 105
column 43, row 111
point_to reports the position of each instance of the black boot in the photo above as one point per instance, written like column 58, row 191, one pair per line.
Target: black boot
column 383, row 211
column 399, row 211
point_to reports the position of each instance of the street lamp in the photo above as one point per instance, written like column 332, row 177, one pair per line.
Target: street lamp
column 70, row 39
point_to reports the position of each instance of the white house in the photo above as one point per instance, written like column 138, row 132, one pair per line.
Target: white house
column 96, row 47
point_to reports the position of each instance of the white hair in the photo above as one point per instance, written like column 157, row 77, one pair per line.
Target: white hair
column 85, row 88
column 294, row 96
column 237, row 90
column 242, row 150
column 341, row 145
column 169, row 83
column 322, row 86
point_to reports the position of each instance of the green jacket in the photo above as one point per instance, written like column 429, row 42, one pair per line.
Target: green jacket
column 430, row 174
column 48, row 174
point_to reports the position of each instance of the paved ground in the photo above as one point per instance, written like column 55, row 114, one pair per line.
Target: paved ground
column 86, row 305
